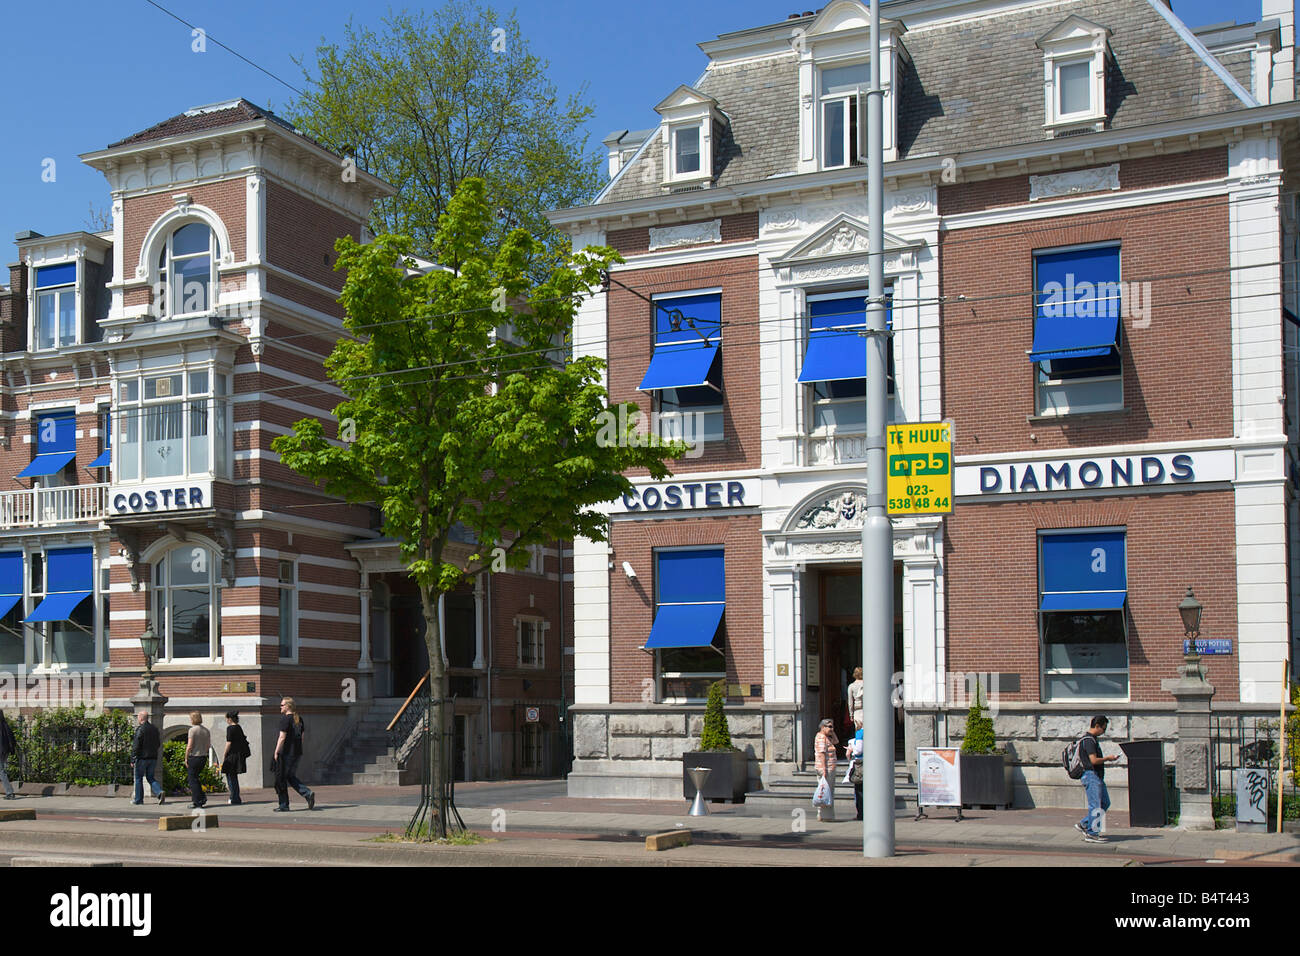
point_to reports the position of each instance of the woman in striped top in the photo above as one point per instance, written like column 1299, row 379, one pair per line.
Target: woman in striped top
column 824, row 747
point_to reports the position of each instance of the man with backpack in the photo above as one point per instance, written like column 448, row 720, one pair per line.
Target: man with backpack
column 1085, row 763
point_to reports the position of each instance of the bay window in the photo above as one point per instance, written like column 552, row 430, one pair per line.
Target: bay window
column 178, row 427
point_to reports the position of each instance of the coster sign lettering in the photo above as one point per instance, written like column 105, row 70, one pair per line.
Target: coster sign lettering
column 691, row 494
column 157, row 498
column 1082, row 474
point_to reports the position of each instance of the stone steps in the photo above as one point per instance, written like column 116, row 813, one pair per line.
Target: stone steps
column 795, row 793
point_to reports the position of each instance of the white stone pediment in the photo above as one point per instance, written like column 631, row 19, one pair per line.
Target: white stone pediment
column 843, row 236
column 682, row 97
column 1073, row 27
column 847, row 15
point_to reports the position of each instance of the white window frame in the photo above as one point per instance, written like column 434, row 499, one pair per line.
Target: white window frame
column 1044, row 387
column 1078, row 42
column 162, row 619
column 128, row 413
column 854, row 110
column 167, row 304
column 1044, row 672
column 287, row 590
column 677, row 131
column 530, row 631
column 813, row 403
column 43, row 633
column 65, row 477
column 536, row 559
column 56, row 292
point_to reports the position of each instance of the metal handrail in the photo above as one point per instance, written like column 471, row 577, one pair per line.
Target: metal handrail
column 407, row 703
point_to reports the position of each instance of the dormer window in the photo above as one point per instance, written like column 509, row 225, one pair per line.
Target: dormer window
column 692, row 121
column 843, row 126
column 56, row 306
column 1074, row 75
column 185, row 271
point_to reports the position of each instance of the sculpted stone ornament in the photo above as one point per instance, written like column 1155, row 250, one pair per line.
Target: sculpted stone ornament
column 1074, row 182
column 690, row 234
column 843, row 511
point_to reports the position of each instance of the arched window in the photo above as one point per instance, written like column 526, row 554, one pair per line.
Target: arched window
column 185, row 270
column 187, row 605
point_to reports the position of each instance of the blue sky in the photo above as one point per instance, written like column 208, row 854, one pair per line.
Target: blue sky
column 104, row 70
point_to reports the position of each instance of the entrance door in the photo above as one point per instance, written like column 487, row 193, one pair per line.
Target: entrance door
column 381, row 646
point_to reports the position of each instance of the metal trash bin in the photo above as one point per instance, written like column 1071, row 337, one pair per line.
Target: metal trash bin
column 1146, row 782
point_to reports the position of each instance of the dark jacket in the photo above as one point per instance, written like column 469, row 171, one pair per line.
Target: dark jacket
column 235, row 761
column 147, row 742
column 8, row 743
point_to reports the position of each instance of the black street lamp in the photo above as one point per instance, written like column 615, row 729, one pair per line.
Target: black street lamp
column 149, row 644
column 1190, row 611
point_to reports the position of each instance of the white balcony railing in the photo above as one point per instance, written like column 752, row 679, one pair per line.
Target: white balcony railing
column 42, row 507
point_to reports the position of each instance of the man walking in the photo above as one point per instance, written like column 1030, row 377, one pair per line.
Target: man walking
column 1094, row 780
column 144, row 754
column 8, row 747
column 288, row 751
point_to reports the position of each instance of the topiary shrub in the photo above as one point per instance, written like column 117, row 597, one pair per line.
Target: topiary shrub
column 716, row 734
column 979, row 737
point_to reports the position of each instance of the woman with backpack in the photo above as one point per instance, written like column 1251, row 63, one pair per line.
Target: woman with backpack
column 233, row 761
column 288, row 751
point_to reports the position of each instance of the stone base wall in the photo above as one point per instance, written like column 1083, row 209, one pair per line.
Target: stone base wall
column 1033, row 741
column 635, row 751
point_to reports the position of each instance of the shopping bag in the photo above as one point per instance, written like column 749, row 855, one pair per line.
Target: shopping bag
column 848, row 772
column 822, row 797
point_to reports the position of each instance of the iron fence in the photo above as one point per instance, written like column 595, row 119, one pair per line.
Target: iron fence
column 1240, row 742
column 536, row 751
column 97, row 752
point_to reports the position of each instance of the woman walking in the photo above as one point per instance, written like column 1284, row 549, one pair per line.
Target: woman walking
column 288, row 751
column 824, row 747
column 233, row 761
column 196, row 757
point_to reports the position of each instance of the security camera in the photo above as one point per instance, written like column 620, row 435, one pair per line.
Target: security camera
column 629, row 571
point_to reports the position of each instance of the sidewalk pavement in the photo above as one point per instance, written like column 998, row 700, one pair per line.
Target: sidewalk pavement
column 350, row 815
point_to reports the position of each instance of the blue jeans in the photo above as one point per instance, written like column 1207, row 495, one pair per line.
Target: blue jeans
column 195, row 765
column 4, row 777
column 232, row 784
column 144, row 771
column 1098, row 801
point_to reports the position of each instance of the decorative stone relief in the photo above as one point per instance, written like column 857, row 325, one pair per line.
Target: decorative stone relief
column 911, row 202
column 842, row 241
column 849, row 549
column 1074, row 182
column 838, row 270
column 842, row 511
column 691, row 234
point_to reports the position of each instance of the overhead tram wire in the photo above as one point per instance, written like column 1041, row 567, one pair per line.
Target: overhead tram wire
column 228, row 49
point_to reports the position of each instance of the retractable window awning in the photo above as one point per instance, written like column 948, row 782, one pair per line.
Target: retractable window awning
column 837, row 349
column 11, row 580
column 104, row 460
column 1076, row 304
column 44, row 465
column 685, row 625
column 1084, row 571
column 679, row 366
column 58, row 607
column 70, row 576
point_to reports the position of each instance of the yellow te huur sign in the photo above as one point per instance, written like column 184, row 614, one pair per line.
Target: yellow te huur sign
column 919, row 468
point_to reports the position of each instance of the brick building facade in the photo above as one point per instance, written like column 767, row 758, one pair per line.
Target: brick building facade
column 147, row 370
column 1089, row 241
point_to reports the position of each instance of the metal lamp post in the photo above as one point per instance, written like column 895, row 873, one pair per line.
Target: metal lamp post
column 1193, row 693
column 148, row 698
column 149, row 644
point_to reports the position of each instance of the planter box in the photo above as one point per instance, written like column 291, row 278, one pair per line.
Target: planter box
column 985, row 779
column 729, row 778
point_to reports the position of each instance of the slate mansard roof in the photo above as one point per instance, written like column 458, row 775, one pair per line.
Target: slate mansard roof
column 204, row 118
column 963, row 86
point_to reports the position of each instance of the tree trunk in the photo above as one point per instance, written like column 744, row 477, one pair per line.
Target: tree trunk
column 437, row 691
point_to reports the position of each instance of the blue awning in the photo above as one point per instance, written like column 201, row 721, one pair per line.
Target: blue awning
column 104, row 460
column 57, row 607
column 7, row 602
column 833, row 356
column 679, row 366
column 1083, row 601
column 685, row 625
column 1076, row 303
column 44, row 465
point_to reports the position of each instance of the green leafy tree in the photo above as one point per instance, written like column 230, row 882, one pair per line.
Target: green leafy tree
column 426, row 102
column 716, row 734
column 979, row 737
column 455, row 426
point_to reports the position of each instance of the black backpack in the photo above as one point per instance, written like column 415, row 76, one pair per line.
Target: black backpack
column 1072, row 759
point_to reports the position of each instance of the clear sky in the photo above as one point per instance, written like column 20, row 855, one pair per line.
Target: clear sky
column 81, row 74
